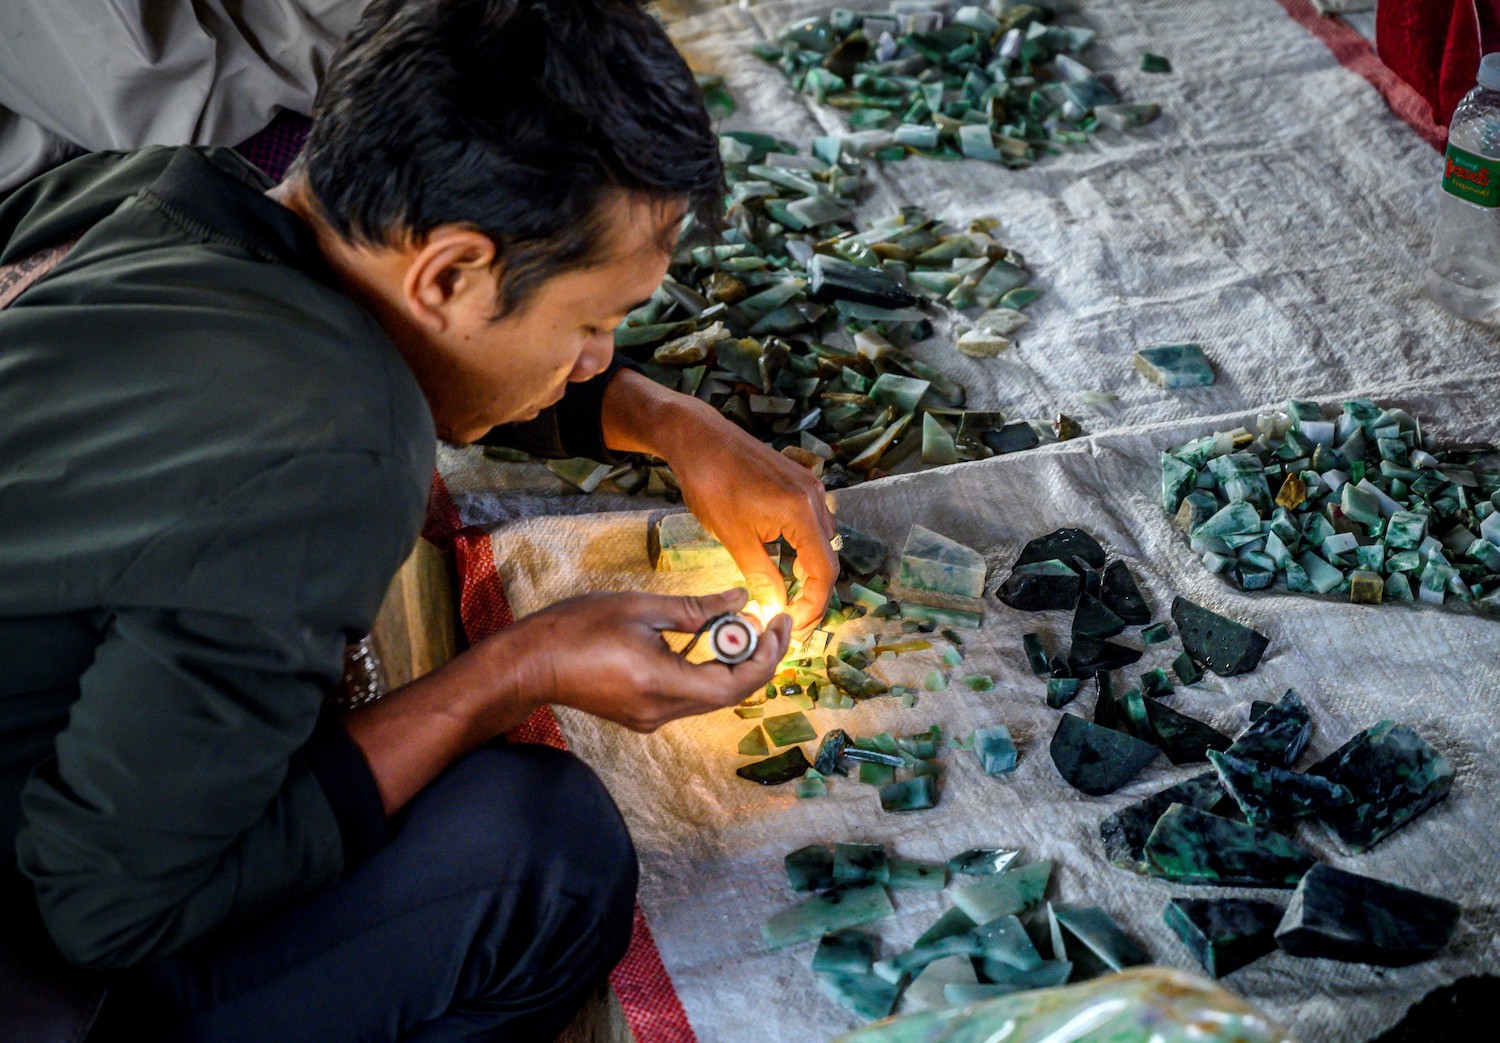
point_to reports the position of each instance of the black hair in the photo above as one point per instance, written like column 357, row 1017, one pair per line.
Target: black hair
column 519, row 118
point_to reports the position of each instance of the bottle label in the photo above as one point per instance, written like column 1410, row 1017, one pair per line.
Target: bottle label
column 1472, row 177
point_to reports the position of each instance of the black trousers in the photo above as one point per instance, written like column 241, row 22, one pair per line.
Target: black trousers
column 501, row 904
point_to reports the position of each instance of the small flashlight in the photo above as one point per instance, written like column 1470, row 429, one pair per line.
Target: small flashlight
column 733, row 637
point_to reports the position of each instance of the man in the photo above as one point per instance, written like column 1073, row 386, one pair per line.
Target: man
column 216, row 434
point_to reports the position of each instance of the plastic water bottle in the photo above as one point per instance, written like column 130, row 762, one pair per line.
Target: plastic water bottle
column 1463, row 272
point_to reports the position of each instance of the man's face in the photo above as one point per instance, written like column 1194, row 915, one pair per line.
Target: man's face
column 478, row 371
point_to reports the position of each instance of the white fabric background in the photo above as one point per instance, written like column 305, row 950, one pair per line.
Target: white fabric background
column 1278, row 214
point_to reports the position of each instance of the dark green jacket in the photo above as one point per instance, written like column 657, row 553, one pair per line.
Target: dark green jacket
column 212, row 462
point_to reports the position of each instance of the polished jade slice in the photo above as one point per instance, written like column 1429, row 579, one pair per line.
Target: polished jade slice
column 809, row 868
column 1172, row 365
column 1338, row 915
column 1359, row 504
column 932, row 562
column 680, row 543
column 1274, row 797
column 854, row 682
column 937, row 444
column 1184, row 739
column 1036, row 654
column 1041, row 585
column 1224, row 646
column 910, row 874
column 773, row 771
column 914, row 794
column 1277, row 736
column 845, row 952
column 1062, row 690
column 1097, row 760
column 1125, row 832
column 1191, row 846
column 861, row 750
column 923, row 745
column 954, row 921
column 892, row 389
column 1092, row 619
column 1156, row 684
column 864, row 995
column 983, row 861
column 754, row 743
column 1100, row 934
column 1393, row 775
column 861, row 554
column 1014, row 892
column 831, row 278
column 995, row 749
column 1224, row 934
column 789, row 728
column 860, row 863
column 942, row 616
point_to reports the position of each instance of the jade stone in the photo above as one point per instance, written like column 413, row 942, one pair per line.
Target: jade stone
column 1224, row 646
column 854, row 682
column 1156, row 684
column 932, row 562
column 852, row 905
column 864, row 995
column 979, row 682
column 1174, row 365
column 1106, row 709
column 680, row 543
column 773, row 771
column 937, row 444
column 995, row 749
column 1089, row 656
column 811, row 786
column 1006, row 980
column 983, row 861
column 1014, row 892
column 754, row 743
column 1184, row 739
column 1133, row 714
column 1093, row 619
column 583, row 474
column 845, row 952
column 830, row 752
column 1338, row 915
column 892, row 389
column 1036, row 653
column 927, row 991
column 860, row 554
column 1012, row 438
column 910, row 874
column 1063, row 545
column 1393, row 775
column 1156, row 633
column 1100, row 935
column 1122, row 596
column 1274, row 797
column 1192, row 846
column 1062, row 690
column 1097, row 760
column 1278, row 736
column 789, row 728
column 914, row 794
column 860, row 863
column 1002, row 939
column 954, row 921
column 1041, row 585
column 1155, row 63
column 1177, row 480
column 878, row 775
column 1125, row 832
column 1224, row 934
column 810, row 868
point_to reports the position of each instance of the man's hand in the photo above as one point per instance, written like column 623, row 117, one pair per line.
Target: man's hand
column 604, row 654
column 742, row 491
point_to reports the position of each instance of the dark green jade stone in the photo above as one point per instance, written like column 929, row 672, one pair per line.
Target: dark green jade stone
column 1192, row 846
column 1092, row 619
column 1274, row 797
column 861, row 554
column 1278, row 736
column 845, row 952
column 1036, row 654
column 1121, row 595
column 1089, row 656
column 1097, row 760
column 809, row 868
column 1338, row 915
column 914, row 794
column 1224, row 934
column 1394, row 776
column 1184, row 739
column 859, row 863
column 830, row 751
column 1040, row 585
column 864, row 995
column 1106, row 706
column 1125, row 832
column 773, row 771
column 1063, row 545
column 1221, row 644
column 1012, row 438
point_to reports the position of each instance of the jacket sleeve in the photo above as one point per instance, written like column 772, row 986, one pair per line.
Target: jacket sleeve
column 571, row 428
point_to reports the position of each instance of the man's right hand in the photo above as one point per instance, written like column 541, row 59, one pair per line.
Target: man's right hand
column 605, row 654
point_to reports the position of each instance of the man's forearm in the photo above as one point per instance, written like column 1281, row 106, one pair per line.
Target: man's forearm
column 641, row 416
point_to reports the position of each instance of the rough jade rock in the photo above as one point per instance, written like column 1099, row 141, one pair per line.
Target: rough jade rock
column 1173, row 365
column 1041, row 585
column 1091, row 619
column 1062, row 690
column 1063, row 545
column 1393, row 775
column 1224, row 646
column 983, row 861
column 842, row 907
column 928, row 989
column 1100, row 935
column 932, row 562
column 830, row 752
column 809, row 868
column 979, row 682
column 910, row 874
column 1155, row 63
column 1278, row 736
column 1002, row 939
column 860, row 863
column 1224, row 934
column 1338, row 915
column 861, row 554
column 1274, row 797
column 1015, row 892
column 1187, row 671
column 914, row 794
column 954, row 921
column 754, row 743
column 811, row 786
column 1184, row 739
column 1096, row 760
column 679, row 543
column 1088, row 656
column 1156, row 684
column 1036, row 654
column 1125, row 832
column 877, row 775
column 1122, row 596
column 789, row 728
column 854, row 682
column 995, row 749
column 864, row 995
column 1192, row 846
column 773, row 771
column 845, row 952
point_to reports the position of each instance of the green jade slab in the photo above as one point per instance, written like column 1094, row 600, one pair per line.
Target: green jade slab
column 854, row 682
column 845, row 952
column 983, row 861
column 1014, row 892
column 789, row 728
column 1100, row 934
column 1041, row 585
column 861, row 554
column 1224, row 646
column 910, row 874
column 995, row 749
column 954, row 921
column 1274, row 797
column 1393, row 774
column 1184, row 739
column 1097, row 760
column 863, row 995
column 1278, row 736
column 1125, row 832
column 1062, row 690
column 851, row 905
column 754, row 743
column 1091, row 619
column 892, row 389
column 914, row 794
column 680, row 543
column 809, row 868
column 938, row 447
column 860, row 863
column 774, row 771
column 932, row 562
column 1224, row 934
column 877, row 775
column 1174, row 365
column 1122, row 596
column 1192, row 846
column 1338, row 915
column 1003, row 940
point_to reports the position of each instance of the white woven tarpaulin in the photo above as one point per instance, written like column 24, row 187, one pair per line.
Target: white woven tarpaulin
column 1277, row 214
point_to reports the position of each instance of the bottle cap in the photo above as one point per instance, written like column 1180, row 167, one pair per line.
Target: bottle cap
column 1489, row 71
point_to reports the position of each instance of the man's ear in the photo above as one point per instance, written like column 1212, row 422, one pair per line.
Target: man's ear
column 450, row 270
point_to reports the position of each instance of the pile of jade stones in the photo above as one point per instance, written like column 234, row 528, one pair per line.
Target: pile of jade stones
column 997, row 82
column 1360, row 504
column 978, row 949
